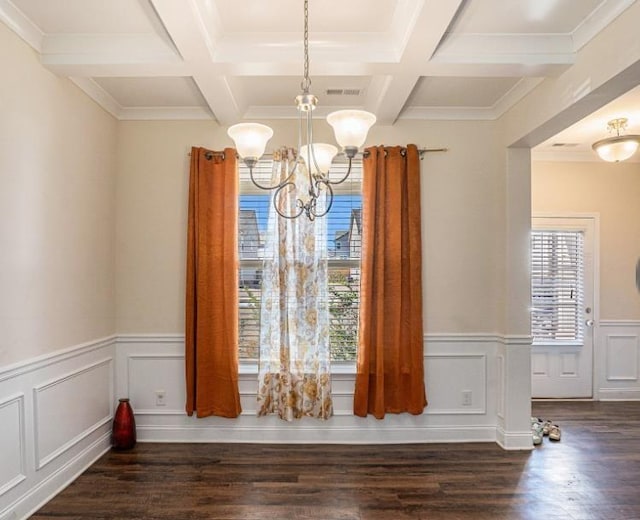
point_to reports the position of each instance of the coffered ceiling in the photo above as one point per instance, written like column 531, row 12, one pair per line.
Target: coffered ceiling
column 231, row 60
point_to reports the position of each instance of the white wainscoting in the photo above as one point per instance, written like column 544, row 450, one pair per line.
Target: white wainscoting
column 618, row 360
column 55, row 421
column 464, row 387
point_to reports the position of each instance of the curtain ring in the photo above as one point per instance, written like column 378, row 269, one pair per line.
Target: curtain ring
column 403, row 152
column 210, row 155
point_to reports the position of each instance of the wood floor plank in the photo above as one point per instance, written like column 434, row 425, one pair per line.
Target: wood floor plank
column 592, row 473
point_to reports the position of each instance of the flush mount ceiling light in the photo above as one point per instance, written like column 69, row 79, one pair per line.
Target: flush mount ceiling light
column 350, row 128
column 619, row 147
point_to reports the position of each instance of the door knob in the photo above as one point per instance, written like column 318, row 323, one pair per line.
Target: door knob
column 589, row 323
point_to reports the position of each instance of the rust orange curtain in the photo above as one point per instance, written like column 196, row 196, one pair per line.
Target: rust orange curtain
column 390, row 369
column 211, row 331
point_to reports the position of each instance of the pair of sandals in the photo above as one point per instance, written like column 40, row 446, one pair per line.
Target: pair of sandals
column 540, row 428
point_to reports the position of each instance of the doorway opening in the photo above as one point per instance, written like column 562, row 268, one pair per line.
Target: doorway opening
column 563, row 306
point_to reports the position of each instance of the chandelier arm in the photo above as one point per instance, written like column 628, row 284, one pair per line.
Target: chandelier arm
column 309, row 208
column 276, row 197
column 346, row 175
column 329, row 190
column 275, row 186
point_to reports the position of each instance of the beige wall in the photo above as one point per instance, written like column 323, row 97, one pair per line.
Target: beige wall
column 613, row 191
column 57, row 150
column 463, row 215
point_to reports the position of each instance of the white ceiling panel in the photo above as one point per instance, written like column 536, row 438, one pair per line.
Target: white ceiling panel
column 153, row 92
column 460, row 92
column 285, row 16
column 270, row 91
column 523, row 16
column 89, row 16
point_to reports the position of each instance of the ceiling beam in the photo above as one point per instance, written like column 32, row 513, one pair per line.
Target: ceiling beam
column 429, row 23
column 184, row 24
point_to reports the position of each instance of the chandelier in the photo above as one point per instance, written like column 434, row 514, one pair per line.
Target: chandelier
column 312, row 160
column 619, row 147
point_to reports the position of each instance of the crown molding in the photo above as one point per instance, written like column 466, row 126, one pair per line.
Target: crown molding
column 528, row 49
column 106, row 101
column 21, row 25
column 572, row 156
column 99, row 95
column 165, row 113
column 604, row 14
column 449, row 113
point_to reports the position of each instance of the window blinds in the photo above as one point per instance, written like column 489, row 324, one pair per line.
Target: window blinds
column 557, row 274
column 343, row 246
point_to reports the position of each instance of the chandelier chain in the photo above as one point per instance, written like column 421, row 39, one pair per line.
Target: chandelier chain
column 314, row 191
column 306, row 82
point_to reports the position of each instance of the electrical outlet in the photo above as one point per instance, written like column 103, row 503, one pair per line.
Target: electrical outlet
column 467, row 398
column 161, row 398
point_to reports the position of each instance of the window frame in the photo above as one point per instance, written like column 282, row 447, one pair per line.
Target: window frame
column 246, row 187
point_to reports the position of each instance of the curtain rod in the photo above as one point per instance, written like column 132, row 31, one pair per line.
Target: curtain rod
column 421, row 152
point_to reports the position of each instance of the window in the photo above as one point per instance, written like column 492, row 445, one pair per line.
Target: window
column 343, row 244
column 557, row 274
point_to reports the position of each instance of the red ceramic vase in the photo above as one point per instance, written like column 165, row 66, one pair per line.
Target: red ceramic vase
column 123, row 436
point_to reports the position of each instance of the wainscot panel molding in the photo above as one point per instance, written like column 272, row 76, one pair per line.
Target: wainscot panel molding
column 463, row 378
column 617, row 358
column 55, row 433
column 14, row 460
column 30, row 365
column 55, row 412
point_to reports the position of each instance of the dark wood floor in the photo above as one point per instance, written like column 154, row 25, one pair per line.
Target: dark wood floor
column 593, row 473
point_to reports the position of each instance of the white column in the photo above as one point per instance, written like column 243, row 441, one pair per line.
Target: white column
column 514, row 428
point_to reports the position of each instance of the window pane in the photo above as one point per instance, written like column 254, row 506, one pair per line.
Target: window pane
column 343, row 247
column 344, row 304
column 252, row 224
column 249, row 313
column 343, row 227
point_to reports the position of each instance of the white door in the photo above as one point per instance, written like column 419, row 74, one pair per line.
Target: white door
column 562, row 310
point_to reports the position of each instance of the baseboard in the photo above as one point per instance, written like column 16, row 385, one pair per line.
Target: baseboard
column 39, row 495
column 335, row 435
column 514, row 441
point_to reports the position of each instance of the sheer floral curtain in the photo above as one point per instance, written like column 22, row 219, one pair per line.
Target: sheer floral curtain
column 294, row 367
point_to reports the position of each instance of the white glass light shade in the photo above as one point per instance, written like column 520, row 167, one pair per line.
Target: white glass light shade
column 617, row 149
column 324, row 154
column 351, row 126
column 250, row 139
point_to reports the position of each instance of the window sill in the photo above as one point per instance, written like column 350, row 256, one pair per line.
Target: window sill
column 337, row 368
column 542, row 343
